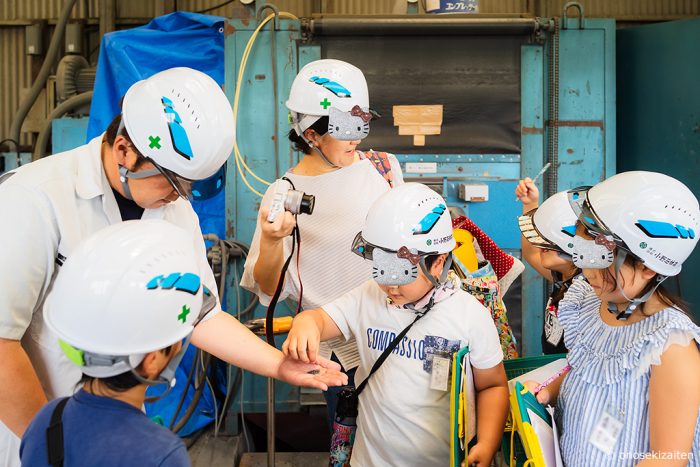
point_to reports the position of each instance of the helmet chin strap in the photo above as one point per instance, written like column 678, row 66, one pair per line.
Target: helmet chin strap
column 632, row 303
column 565, row 256
column 297, row 127
column 125, row 174
column 557, row 278
column 443, row 276
column 323, row 156
column 103, row 366
column 167, row 375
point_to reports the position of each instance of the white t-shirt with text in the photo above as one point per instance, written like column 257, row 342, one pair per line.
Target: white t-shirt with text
column 402, row 421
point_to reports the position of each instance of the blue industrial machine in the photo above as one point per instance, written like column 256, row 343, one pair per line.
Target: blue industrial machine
column 517, row 93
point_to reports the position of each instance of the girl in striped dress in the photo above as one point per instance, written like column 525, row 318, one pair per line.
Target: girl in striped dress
column 632, row 396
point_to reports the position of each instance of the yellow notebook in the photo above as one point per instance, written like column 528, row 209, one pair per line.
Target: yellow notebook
column 462, row 407
column 536, row 427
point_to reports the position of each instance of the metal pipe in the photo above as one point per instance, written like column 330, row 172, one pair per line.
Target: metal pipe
column 273, row 50
column 108, row 15
column 40, row 81
column 391, row 26
column 72, row 103
column 270, row 422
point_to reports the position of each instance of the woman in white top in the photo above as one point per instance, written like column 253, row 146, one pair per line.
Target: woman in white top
column 329, row 106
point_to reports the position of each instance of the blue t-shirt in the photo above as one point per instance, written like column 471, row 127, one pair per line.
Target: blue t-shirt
column 105, row 432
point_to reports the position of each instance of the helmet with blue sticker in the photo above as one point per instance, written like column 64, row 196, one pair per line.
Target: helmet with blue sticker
column 653, row 216
column 335, row 89
column 182, row 121
column 129, row 289
column 552, row 225
column 403, row 226
column 410, row 215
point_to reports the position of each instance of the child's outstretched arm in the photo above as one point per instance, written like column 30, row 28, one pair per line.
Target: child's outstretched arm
column 309, row 328
column 529, row 195
column 492, row 410
column 674, row 399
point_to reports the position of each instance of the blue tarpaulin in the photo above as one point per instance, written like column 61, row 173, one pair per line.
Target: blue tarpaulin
column 178, row 39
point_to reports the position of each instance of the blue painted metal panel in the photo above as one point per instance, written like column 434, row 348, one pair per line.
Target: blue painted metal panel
column 532, row 74
column 68, row 133
column 586, row 104
column 12, row 160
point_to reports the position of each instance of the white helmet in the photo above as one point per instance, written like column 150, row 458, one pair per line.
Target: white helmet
column 552, row 225
column 335, row 89
column 328, row 83
column 410, row 221
column 129, row 289
column 653, row 216
column 182, row 121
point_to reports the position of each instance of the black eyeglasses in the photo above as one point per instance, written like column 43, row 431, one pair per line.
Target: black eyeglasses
column 364, row 249
column 181, row 185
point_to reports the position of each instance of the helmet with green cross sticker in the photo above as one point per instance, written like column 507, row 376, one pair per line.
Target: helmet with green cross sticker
column 129, row 289
column 181, row 120
column 335, row 89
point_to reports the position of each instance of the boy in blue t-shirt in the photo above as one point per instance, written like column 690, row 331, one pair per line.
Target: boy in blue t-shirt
column 121, row 306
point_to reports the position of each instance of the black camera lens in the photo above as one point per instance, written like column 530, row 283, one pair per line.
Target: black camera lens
column 307, row 204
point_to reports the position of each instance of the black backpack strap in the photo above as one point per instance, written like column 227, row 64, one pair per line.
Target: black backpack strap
column 387, row 351
column 54, row 435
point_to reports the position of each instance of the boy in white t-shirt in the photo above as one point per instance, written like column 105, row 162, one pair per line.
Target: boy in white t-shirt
column 404, row 412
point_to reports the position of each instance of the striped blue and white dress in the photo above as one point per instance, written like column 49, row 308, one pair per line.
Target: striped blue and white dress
column 610, row 372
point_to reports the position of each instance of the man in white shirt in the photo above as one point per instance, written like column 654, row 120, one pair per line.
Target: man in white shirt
column 176, row 127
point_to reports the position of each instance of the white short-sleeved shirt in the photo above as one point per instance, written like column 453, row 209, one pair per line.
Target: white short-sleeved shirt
column 49, row 207
column 402, row 421
column 327, row 267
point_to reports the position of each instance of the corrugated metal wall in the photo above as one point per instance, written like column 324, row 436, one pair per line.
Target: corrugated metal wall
column 43, row 9
column 14, row 74
column 16, row 65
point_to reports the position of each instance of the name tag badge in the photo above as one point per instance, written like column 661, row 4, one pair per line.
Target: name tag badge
column 606, row 432
column 553, row 330
column 440, row 373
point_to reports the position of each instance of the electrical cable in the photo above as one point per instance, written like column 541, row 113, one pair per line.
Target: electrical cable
column 9, row 140
column 242, row 373
column 238, row 158
column 43, row 75
column 199, row 390
column 188, row 381
column 231, row 384
column 205, row 372
column 219, row 253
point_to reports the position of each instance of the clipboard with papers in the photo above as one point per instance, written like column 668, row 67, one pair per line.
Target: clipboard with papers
column 462, row 407
column 536, row 426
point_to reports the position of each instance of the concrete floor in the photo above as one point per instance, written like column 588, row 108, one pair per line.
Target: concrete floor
column 285, row 459
column 225, row 451
column 222, row 451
